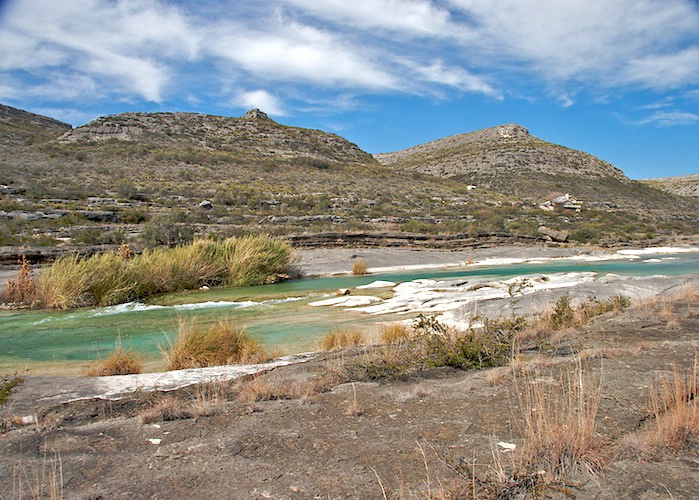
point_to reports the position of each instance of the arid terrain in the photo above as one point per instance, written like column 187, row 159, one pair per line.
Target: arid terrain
column 303, row 431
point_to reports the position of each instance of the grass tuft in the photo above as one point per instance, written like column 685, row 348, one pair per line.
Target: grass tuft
column 219, row 344
column 359, row 267
column 675, row 410
column 339, row 338
column 119, row 362
column 22, row 290
column 560, row 423
column 395, row 332
column 118, row 277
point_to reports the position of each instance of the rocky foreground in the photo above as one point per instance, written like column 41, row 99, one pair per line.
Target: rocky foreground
column 438, row 433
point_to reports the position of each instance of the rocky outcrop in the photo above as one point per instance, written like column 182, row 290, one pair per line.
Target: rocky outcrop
column 409, row 240
column 256, row 114
column 685, row 185
column 554, row 234
column 254, row 136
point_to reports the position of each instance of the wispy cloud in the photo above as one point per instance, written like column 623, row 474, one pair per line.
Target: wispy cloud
column 289, row 51
column 669, row 118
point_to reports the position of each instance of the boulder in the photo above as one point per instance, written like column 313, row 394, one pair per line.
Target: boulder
column 554, row 234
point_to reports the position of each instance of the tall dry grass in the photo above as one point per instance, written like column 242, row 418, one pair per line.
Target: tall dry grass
column 342, row 337
column 560, row 422
column 119, row 362
column 395, row 332
column 675, row 410
column 118, row 277
column 22, row 290
column 222, row 343
column 359, row 267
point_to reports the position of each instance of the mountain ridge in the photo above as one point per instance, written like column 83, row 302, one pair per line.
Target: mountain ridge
column 225, row 175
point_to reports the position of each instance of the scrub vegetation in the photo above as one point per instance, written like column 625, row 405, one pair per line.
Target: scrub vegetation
column 223, row 343
column 117, row 277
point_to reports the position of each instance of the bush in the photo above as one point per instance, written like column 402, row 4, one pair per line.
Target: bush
column 359, row 267
column 167, row 230
column 219, row 344
column 117, row 277
column 22, row 290
column 119, row 362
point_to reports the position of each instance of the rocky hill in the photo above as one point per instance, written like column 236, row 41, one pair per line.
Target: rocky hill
column 684, row 185
column 254, row 135
column 21, row 127
column 173, row 175
column 508, row 159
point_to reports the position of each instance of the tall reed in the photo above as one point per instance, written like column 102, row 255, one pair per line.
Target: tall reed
column 113, row 278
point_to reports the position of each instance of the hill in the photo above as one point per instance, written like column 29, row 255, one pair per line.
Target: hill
column 21, row 127
column 685, row 185
column 508, row 159
column 161, row 178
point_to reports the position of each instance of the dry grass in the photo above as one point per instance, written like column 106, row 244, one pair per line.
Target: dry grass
column 359, row 267
column 205, row 401
column 560, row 425
column 41, row 481
column 688, row 292
column 340, row 338
column 395, row 332
column 563, row 316
column 353, row 408
column 117, row 277
column 257, row 389
column 166, row 409
column 219, row 344
column 22, row 290
column 675, row 410
column 119, row 362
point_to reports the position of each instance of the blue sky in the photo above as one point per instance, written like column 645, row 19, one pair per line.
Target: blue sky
column 616, row 78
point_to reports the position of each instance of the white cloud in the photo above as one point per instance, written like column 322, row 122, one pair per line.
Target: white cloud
column 260, row 99
column 608, row 42
column 669, row 118
column 124, row 44
column 419, row 17
column 294, row 52
column 438, row 72
column 161, row 50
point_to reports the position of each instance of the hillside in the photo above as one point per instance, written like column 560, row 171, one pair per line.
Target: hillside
column 161, row 178
column 684, row 185
column 21, row 127
column 253, row 136
column 510, row 160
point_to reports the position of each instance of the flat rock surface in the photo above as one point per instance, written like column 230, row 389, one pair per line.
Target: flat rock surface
column 412, row 437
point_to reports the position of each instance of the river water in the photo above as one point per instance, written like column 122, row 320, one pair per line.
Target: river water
column 279, row 315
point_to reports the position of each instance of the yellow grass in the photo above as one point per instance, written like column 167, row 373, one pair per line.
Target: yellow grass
column 117, row 277
column 219, row 344
column 359, row 267
column 394, row 332
column 119, row 362
column 675, row 408
column 560, row 425
column 339, row 338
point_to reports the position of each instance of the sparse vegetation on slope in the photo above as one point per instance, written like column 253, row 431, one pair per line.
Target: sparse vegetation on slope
column 148, row 174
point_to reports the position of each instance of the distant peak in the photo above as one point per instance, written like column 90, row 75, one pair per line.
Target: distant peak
column 512, row 130
column 256, row 114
